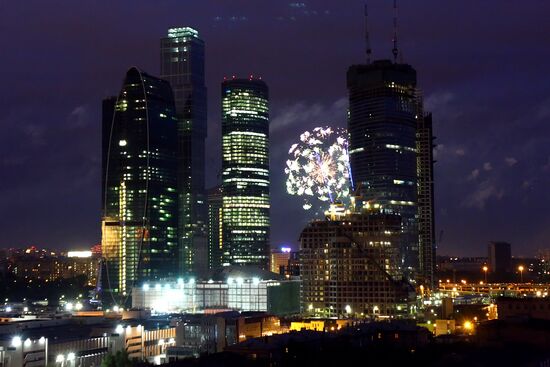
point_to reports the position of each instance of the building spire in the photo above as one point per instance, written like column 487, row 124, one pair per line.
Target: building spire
column 367, row 38
column 395, row 51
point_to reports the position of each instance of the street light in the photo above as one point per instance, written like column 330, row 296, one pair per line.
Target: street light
column 520, row 268
column 485, row 269
column 468, row 326
column 348, row 309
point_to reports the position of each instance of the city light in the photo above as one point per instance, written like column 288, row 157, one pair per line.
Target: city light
column 70, row 356
column 79, row 254
column 468, row 326
column 60, row 358
column 119, row 329
column 16, row 341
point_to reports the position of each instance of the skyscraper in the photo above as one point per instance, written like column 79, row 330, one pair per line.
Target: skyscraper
column 384, row 112
column 139, row 226
column 245, row 172
column 426, row 214
column 182, row 64
column 215, row 202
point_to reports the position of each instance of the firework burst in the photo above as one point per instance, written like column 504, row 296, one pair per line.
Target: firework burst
column 318, row 168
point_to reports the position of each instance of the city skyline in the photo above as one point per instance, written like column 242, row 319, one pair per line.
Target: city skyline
column 484, row 184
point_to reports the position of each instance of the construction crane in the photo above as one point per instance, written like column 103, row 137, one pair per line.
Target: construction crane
column 395, row 50
column 367, row 37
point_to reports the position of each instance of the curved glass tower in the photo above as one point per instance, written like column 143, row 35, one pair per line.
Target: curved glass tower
column 140, row 208
column 245, row 172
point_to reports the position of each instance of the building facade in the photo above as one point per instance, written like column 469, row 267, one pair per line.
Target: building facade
column 215, row 240
column 279, row 260
column 36, row 265
column 182, row 65
column 245, row 172
column 500, row 258
column 205, row 334
column 83, row 341
column 140, row 212
column 278, row 297
column 349, row 265
column 385, row 113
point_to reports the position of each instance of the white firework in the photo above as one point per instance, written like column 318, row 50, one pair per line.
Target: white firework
column 318, row 168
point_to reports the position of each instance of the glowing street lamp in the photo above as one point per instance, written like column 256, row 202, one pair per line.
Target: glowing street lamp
column 485, row 269
column 468, row 326
column 348, row 309
column 521, row 268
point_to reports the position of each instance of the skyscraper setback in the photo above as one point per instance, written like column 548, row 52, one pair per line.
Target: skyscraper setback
column 245, row 172
column 139, row 224
column 390, row 154
column 182, row 64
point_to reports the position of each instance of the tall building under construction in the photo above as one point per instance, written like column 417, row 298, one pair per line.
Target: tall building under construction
column 391, row 154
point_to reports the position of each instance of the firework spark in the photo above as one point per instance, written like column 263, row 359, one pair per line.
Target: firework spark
column 318, row 168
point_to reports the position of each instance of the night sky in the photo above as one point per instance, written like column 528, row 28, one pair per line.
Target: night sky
column 482, row 66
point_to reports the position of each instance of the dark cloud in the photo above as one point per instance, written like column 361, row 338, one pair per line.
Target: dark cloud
column 481, row 65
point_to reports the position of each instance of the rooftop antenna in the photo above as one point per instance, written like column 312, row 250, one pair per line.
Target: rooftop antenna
column 367, row 38
column 395, row 51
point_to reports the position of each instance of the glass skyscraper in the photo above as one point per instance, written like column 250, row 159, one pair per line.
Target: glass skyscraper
column 384, row 112
column 139, row 224
column 245, row 172
column 182, row 64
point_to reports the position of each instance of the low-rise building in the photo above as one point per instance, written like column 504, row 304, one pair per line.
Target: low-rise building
column 83, row 341
column 525, row 307
column 278, row 297
column 205, row 334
